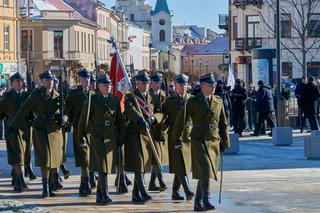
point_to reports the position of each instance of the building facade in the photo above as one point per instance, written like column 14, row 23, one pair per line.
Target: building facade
column 8, row 40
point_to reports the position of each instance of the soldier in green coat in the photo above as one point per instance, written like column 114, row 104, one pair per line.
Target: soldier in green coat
column 16, row 145
column 73, row 106
column 137, row 150
column 158, row 133
column 48, row 144
column 209, row 137
column 104, row 123
column 179, row 156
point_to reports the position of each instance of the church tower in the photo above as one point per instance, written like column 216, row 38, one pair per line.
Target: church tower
column 161, row 18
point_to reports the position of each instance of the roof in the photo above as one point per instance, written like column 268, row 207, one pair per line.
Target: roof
column 217, row 47
column 161, row 5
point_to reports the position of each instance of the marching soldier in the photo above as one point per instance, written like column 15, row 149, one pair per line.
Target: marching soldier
column 16, row 145
column 105, row 124
column 209, row 137
column 73, row 106
column 157, row 133
column 44, row 102
column 179, row 156
column 137, row 150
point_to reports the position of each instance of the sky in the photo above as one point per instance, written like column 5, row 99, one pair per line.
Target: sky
column 193, row 12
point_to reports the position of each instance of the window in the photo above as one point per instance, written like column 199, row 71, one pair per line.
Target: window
column 235, row 27
column 253, row 26
column 58, row 44
column 162, row 35
column 78, row 41
column 84, row 42
column 285, row 26
column 6, row 3
column 24, row 41
column 162, row 22
column 82, row 46
column 132, row 17
column 314, row 25
column 287, row 70
column 6, row 38
column 89, row 43
column 92, row 44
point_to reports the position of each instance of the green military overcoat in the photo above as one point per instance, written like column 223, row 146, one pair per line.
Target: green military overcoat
column 105, row 127
column 137, row 147
column 73, row 105
column 48, row 144
column 16, row 145
column 210, row 128
column 179, row 160
column 159, row 131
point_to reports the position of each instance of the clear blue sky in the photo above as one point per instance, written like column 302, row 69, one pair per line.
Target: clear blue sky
column 196, row 12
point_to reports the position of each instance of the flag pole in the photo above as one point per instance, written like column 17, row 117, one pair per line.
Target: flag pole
column 153, row 149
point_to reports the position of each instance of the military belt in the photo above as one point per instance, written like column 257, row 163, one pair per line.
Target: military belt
column 106, row 123
column 205, row 126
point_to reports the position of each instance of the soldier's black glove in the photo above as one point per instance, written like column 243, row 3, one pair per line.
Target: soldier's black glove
column 151, row 121
column 178, row 144
column 143, row 123
column 222, row 147
column 83, row 142
column 11, row 130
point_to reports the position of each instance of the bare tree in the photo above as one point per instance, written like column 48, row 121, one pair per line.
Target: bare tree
column 304, row 39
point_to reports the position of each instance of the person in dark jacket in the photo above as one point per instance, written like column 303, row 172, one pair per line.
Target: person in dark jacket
column 309, row 100
column 251, row 106
column 298, row 92
column 265, row 107
column 223, row 93
column 238, row 99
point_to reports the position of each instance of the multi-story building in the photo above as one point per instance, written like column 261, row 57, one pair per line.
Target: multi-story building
column 8, row 40
column 59, row 36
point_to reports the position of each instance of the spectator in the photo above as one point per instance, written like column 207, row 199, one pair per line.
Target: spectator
column 238, row 100
column 265, row 107
column 2, row 90
column 222, row 92
column 251, row 106
column 309, row 101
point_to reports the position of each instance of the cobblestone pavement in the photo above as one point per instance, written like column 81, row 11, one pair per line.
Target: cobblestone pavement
column 261, row 178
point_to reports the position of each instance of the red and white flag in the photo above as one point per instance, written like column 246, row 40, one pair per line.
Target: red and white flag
column 144, row 107
column 119, row 78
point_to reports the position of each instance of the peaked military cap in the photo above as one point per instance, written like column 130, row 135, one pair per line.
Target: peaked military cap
column 104, row 80
column 207, row 78
column 182, row 79
column 16, row 76
column 93, row 78
column 156, row 77
column 47, row 75
column 84, row 73
column 142, row 76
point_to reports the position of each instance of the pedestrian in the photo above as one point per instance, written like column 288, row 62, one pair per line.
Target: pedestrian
column 2, row 91
column 104, row 123
column 222, row 92
column 238, row 99
column 158, row 133
column 251, row 106
column 137, row 151
column 73, row 106
column 298, row 92
column 309, row 101
column 179, row 156
column 265, row 107
column 48, row 144
column 209, row 137
column 16, row 145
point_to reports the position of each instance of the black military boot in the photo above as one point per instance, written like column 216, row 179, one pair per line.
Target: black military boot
column 105, row 199
column 23, row 185
column 92, row 178
column 28, row 172
column 44, row 187
column 197, row 200
column 163, row 186
column 65, row 171
column 13, row 177
column 98, row 194
column 54, row 181
column 136, row 198
column 140, row 182
column 205, row 195
column 127, row 180
column 152, row 184
column 122, row 185
column 86, row 186
column 184, row 182
column 81, row 188
column 175, row 189
column 16, row 184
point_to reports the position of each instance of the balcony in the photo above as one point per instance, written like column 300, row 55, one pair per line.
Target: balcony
column 248, row 43
column 223, row 21
column 242, row 3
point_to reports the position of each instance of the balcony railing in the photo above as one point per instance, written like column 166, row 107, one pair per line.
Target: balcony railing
column 223, row 21
column 248, row 43
column 243, row 3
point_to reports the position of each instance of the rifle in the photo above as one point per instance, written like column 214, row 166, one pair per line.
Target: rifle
column 61, row 100
column 97, row 69
column 30, row 84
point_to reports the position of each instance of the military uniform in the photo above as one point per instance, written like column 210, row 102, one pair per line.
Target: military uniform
column 209, row 134
column 179, row 159
column 104, row 126
column 73, row 106
column 48, row 142
column 15, row 140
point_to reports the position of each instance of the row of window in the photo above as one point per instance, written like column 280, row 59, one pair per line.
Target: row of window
column 84, row 42
column 6, row 38
column 253, row 26
column 5, row 3
column 197, row 63
column 103, row 21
